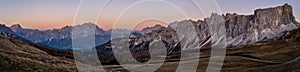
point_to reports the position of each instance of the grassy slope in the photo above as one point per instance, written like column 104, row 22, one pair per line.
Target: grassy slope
column 19, row 56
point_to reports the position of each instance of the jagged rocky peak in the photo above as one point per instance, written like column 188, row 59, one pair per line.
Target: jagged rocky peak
column 150, row 29
column 87, row 28
column 16, row 26
column 264, row 24
column 157, row 26
column 262, row 19
column 276, row 15
column 89, row 25
column 238, row 24
column 5, row 30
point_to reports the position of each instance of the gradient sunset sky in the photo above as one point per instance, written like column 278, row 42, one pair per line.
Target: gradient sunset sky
column 49, row 14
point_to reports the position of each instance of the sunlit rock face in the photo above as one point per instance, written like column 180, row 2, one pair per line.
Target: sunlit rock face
column 275, row 16
column 265, row 24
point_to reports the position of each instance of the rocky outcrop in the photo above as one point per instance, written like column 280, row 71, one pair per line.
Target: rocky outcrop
column 275, row 16
column 265, row 24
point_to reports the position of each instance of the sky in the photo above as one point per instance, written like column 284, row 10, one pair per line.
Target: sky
column 49, row 14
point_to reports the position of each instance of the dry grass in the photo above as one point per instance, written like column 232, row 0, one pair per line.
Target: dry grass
column 19, row 56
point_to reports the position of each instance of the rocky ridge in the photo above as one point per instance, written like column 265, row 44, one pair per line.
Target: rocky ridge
column 263, row 25
column 238, row 30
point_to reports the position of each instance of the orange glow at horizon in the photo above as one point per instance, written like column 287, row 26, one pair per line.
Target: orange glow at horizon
column 60, row 23
column 42, row 24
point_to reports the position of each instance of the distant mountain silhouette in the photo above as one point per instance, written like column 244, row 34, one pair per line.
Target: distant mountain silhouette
column 7, row 32
column 60, row 38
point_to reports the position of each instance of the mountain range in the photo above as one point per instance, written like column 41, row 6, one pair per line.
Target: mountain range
column 59, row 38
column 267, row 39
column 62, row 38
column 265, row 25
column 7, row 32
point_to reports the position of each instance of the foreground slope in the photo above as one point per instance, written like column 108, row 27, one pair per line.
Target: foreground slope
column 16, row 55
